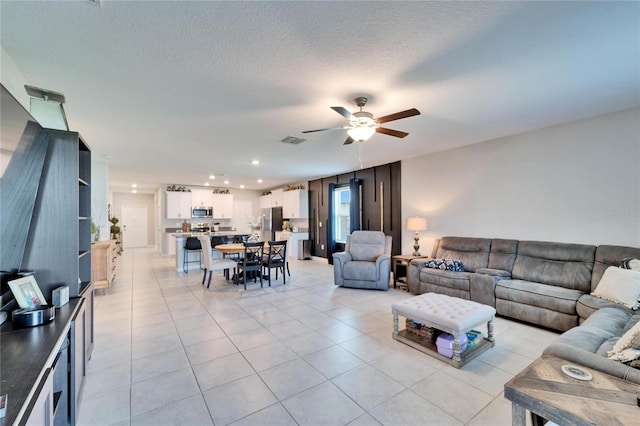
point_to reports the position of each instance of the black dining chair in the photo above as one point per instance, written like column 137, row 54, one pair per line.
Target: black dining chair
column 230, row 239
column 251, row 264
column 192, row 244
column 275, row 257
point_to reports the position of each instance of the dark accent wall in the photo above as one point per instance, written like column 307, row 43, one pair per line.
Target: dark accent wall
column 381, row 203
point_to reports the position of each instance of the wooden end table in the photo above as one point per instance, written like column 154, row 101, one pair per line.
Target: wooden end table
column 400, row 274
column 548, row 393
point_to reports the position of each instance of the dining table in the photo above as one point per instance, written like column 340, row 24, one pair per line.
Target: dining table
column 230, row 248
column 233, row 248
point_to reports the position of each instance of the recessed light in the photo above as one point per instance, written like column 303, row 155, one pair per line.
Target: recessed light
column 134, row 192
column 255, row 162
column 212, row 177
column 206, row 184
column 133, row 185
column 259, row 180
column 241, row 186
column 226, row 182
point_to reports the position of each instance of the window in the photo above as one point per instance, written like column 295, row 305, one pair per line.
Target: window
column 341, row 214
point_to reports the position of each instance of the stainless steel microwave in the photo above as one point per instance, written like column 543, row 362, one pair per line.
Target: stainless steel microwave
column 201, row 212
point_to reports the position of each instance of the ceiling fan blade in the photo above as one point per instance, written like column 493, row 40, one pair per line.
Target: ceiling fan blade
column 398, row 115
column 349, row 141
column 322, row 130
column 391, row 132
column 343, row 112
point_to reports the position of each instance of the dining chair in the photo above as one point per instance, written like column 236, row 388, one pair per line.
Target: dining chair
column 192, row 244
column 251, row 264
column 214, row 261
column 276, row 257
column 230, row 239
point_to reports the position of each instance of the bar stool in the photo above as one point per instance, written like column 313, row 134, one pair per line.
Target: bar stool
column 191, row 245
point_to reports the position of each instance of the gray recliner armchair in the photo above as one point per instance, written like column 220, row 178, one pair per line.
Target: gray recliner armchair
column 365, row 261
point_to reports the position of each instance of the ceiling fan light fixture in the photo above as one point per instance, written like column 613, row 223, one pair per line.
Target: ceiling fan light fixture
column 361, row 134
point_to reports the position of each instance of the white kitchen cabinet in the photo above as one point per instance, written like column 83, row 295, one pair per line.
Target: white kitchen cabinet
column 178, row 205
column 295, row 204
column 201, row 198
column 222, row 206
column 276, row 198
column 265, row 201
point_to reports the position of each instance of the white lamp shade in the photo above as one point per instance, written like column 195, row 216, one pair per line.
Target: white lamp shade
column 361, row 133
column 417, row 224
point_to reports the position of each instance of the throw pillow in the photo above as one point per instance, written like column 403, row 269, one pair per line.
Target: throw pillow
column 630, row 263
column 626, row 356
column 630, row 339
column 620, row 286
column 445, row 264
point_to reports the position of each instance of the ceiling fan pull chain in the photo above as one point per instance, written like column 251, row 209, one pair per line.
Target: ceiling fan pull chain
column 360, row 155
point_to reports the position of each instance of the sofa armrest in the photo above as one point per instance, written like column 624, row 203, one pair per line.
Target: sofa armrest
column 482, row 288
column 494, row 272
column 339, row 259
column 413, row 275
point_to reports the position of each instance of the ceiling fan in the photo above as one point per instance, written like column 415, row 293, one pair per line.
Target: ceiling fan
column 362, row 125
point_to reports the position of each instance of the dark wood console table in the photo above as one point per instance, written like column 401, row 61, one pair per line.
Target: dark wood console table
column 548, row 393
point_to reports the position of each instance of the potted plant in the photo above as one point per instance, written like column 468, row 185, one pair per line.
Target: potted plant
column 95, row 231
column 115, row 229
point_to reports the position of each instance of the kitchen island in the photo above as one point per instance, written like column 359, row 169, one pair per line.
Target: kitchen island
column 214, row 237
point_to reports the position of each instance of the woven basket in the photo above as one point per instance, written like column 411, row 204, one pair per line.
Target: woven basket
column 421, row 331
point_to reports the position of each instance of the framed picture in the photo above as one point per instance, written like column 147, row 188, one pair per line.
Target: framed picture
column 27, row 292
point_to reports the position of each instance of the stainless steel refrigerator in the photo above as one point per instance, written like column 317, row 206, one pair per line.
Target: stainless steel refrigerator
column 270, row 222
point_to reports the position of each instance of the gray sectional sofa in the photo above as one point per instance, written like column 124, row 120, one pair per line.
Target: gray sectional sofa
column 544, row 283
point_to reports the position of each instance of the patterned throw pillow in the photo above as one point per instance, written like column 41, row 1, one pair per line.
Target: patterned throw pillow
column 445, row 265
column 630, row 263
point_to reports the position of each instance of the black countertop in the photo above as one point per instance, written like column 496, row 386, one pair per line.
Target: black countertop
column 26, row 353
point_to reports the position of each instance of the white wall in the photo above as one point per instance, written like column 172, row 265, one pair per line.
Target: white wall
column 13, row 79
column 100, row 197
column 574, row 183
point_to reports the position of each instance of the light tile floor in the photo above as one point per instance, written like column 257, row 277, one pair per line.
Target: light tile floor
column 169, row 351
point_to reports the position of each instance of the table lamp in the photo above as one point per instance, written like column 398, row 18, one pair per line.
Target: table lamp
column 416, row 224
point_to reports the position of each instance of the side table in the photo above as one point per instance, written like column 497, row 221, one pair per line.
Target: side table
column 400, row 264
column 548, row 393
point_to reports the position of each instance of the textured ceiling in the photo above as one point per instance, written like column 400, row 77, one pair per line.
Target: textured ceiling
column 171, row 92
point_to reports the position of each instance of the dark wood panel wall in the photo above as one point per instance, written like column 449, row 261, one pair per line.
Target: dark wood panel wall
column 381, row 203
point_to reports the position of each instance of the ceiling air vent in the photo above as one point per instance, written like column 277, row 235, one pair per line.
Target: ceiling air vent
column 292, row 140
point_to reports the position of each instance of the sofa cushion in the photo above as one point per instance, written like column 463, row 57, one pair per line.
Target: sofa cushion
column 545, row 296
column 558, row 264
column 588, row 304
column 620, row 286
column 445, row 264
column 366, row 245
column 449, row 279
column 361, row 271
column 599, row 333
column 503, row 254
column 472, row 252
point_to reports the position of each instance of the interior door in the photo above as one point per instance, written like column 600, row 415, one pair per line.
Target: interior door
column 134, row 226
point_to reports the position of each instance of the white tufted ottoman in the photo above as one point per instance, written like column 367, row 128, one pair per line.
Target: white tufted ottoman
column 449, row 314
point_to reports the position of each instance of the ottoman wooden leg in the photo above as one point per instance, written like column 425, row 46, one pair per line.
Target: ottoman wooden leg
column 490, row 330
column 395, row 324
column 457, row 350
